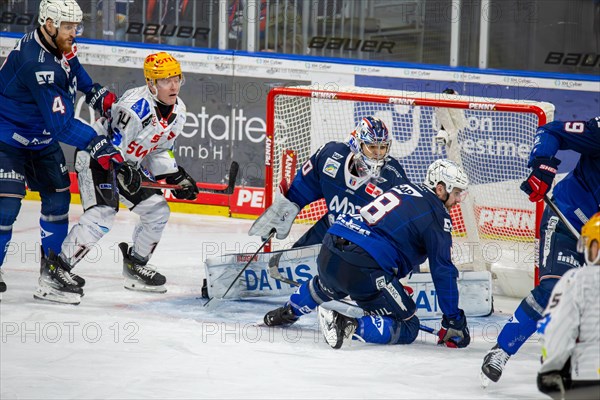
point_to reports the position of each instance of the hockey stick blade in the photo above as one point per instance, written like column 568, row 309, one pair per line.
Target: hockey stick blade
column 233, row 172
column 274, row 271
column 271, row 234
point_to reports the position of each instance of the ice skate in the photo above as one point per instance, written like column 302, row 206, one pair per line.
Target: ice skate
column 336, row 327
column 493, row 364
column 55, row 283
column 138, row 276
column 282, row 316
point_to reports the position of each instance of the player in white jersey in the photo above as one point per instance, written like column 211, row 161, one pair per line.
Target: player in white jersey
column 570, row 327
column 144, row 124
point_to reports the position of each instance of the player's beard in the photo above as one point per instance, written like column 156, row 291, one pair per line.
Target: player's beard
column 64, row 44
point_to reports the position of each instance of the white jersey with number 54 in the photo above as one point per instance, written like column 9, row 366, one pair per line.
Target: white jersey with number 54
column 143, row 136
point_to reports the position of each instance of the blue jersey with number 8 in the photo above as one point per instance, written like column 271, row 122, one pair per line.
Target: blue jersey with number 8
column 402, row 228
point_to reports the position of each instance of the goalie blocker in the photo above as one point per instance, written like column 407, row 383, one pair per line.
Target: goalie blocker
column 300, row 265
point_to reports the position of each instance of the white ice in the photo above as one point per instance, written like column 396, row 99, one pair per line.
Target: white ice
column 120, row 344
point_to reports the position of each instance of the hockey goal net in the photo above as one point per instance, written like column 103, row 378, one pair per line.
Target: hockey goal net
column 491, row 138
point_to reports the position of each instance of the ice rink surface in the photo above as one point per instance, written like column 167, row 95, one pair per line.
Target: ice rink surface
column 119, row 344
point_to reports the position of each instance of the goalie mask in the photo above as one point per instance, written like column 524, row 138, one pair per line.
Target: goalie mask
column 590, row 234
column 371, row 143
column 447, row 172
column 61, row 11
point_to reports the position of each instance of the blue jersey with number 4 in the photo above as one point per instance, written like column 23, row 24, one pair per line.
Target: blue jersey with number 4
column 402, row 228
column 578, row 194
column 327, row 174
column 37, row 96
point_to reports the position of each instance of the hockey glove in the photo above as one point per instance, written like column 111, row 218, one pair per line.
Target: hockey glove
column 540, row 179
column 100, row 99
column 279, row 216
column 130, row 178
column 454, row 332
column 103, row 151
column 190, row 189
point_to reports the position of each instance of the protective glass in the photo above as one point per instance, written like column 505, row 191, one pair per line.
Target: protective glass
column 166, row 83
column 72, row 27
column 460, row 196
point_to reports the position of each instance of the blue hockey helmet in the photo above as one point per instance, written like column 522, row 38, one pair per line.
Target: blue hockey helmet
column 371, row 143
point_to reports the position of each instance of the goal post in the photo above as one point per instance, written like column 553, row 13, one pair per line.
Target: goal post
column 492, row 142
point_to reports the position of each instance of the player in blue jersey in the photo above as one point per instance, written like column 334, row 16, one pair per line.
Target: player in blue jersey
column 38, row 83
column 364, row 255
column 347, row 175
column 577, row 196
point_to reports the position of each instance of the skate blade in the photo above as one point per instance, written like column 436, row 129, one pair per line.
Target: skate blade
column 56, row 296
column 485, row 381
column 138, row 286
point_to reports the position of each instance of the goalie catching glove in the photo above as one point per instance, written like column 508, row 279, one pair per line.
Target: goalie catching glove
column 130, row 178
column 189, row 190
column 279, row 216
column 454, row 332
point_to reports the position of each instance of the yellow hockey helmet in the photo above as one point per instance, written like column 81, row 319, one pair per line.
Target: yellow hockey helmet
column 590, row 233
column 161, row 65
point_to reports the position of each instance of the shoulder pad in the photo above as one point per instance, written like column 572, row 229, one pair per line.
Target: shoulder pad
column 141, row 108
column 392, row 167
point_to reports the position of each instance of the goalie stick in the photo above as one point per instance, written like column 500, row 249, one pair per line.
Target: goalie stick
column 560, row 215
column 275, row 274
column 271, row 234
column 233, row 172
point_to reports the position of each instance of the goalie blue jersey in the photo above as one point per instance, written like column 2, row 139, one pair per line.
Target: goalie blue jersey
column 578, row 194
column 402, row 228
column 327, row 175
column 37, row 96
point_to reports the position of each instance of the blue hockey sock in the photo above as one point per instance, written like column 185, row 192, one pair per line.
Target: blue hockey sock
column 53, row 234
column 5, row 236
column 375, row 329
column 516, row 331
column 301, row 300
column 9, row 209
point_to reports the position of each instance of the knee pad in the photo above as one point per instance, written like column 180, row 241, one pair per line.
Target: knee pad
column 535, row 303
column 321, row 292
column 406, row 331
column 91, row 227
column 99, row 219
column 392, row 301
column 153, row 210
column 55, row 205
column 9, row 209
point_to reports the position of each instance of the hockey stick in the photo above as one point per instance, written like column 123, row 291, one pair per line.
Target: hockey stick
column 271, row 234
column 275, row 274
column 560, row 215
column 233, row 172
